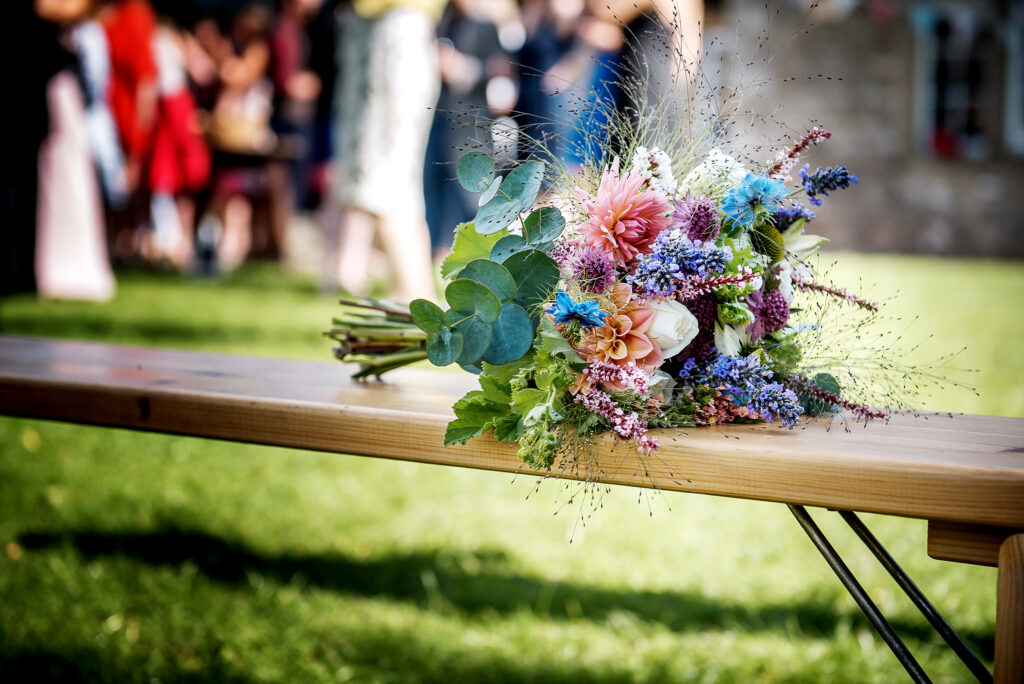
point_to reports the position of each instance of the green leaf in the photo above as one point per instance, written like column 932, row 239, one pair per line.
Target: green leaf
column 815, row 406
column 531, row 404
column 471, row 368
column 468, row 245
column 735, row 313
column 444, row 347
column 543, row 225
column 768, row 240
column 512, row 335
column 475, row 171
column 476, row 337
column 507, row 246
column 536, row 274
column 506, row 371
column 508, row 428
column 428, row 316
column 490, row 192
column 492, row 275
column 474, row 414
column 495, row 389
column 515, row 196
column 554, row 343
column 471, row 298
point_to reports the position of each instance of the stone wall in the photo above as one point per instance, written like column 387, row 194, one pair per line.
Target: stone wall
column 907, row 200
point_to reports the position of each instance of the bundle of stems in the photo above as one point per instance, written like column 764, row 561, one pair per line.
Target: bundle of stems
column 379, row 336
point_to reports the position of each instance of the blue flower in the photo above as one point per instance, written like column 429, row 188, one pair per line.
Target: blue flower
column 755, row 194
column 565, row 310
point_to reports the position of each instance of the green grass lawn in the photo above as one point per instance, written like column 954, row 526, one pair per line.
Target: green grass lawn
column 134, row 557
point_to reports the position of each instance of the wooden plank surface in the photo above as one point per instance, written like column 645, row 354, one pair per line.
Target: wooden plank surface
column 957, row 468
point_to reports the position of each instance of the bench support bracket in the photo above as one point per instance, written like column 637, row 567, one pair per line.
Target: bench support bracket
column 872, row 612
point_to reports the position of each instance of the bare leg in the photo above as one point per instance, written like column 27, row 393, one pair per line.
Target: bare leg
column 356, row 228
column 236, row 239
column 406, row 242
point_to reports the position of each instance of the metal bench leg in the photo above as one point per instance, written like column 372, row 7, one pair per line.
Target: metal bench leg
column 1009, row 666
column 864, row 601
column 972, row 662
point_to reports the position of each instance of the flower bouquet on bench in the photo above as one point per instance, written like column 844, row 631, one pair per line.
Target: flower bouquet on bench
column 629, row 297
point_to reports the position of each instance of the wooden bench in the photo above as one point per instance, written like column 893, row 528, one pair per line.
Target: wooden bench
column 964, row 474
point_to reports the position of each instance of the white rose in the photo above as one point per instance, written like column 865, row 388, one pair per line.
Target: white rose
column 673, row 326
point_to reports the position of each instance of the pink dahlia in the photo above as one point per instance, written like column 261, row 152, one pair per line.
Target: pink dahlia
column 624, row 221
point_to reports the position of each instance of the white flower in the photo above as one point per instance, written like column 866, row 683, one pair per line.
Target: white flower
column 661, row 381
column 672, row 327
column 718, row 170
column 656, row 167
column 728, row 340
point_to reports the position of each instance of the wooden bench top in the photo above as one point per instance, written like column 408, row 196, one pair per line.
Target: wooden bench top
column 939, row 467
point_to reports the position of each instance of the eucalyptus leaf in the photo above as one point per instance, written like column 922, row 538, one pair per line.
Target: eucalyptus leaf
column 427, row 316
column 536, row 275
column 507, row 246
column 470, row 297
column 492, row 275
column 490, row 192
column 475, row 171
column 511, row 336
column 476, row 337
column 515, row 196
column 444, row 347
column 543, row 225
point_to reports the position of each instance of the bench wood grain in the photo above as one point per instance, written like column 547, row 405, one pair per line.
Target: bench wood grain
column 956, row 468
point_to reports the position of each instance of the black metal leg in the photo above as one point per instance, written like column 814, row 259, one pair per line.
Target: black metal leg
column 864, row 601
column 923, row 604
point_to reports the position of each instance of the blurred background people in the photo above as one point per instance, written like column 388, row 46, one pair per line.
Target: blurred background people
column 472, row 64
column 71, row 252
column 389, row 83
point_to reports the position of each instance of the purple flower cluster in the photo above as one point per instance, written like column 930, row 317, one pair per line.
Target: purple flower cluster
column 591, row 269
column 697, row 217
column 749, row 383
column 823, row 181
column 773, row 401
column 771, row 312
column 671, row 261
column 786, row 216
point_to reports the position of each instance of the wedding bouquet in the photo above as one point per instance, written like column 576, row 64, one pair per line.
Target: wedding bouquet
column 632, row 297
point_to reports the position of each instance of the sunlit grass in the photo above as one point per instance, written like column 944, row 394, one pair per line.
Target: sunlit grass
column 134, row 557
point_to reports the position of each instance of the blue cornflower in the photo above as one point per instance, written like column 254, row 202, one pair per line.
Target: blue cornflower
column 755, row 194
column 565, row 310
column 822, row 181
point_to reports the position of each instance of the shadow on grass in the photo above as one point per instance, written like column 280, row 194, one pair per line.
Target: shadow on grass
column 470, row 583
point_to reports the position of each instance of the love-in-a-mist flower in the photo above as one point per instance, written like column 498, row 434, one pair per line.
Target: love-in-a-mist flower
column 565, row 311
column 756, row 195
column 624, row 218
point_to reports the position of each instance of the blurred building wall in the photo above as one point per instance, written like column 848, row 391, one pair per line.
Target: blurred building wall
column 929, row 113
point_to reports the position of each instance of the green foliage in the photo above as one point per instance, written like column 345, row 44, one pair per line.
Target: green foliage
column 552, row 341
column 734, row 313
column 515, row 196
column 473, row 299
column 512, row 337
column 444, row 347
column 475, row 171
column 768, row 240
column 467, row 246
column 428, row 316
column 507, row 246
column 476, row 337
column 815, row 406
column 474, row 415
column 493, row 276
column 544, row 225
column 536, row 274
